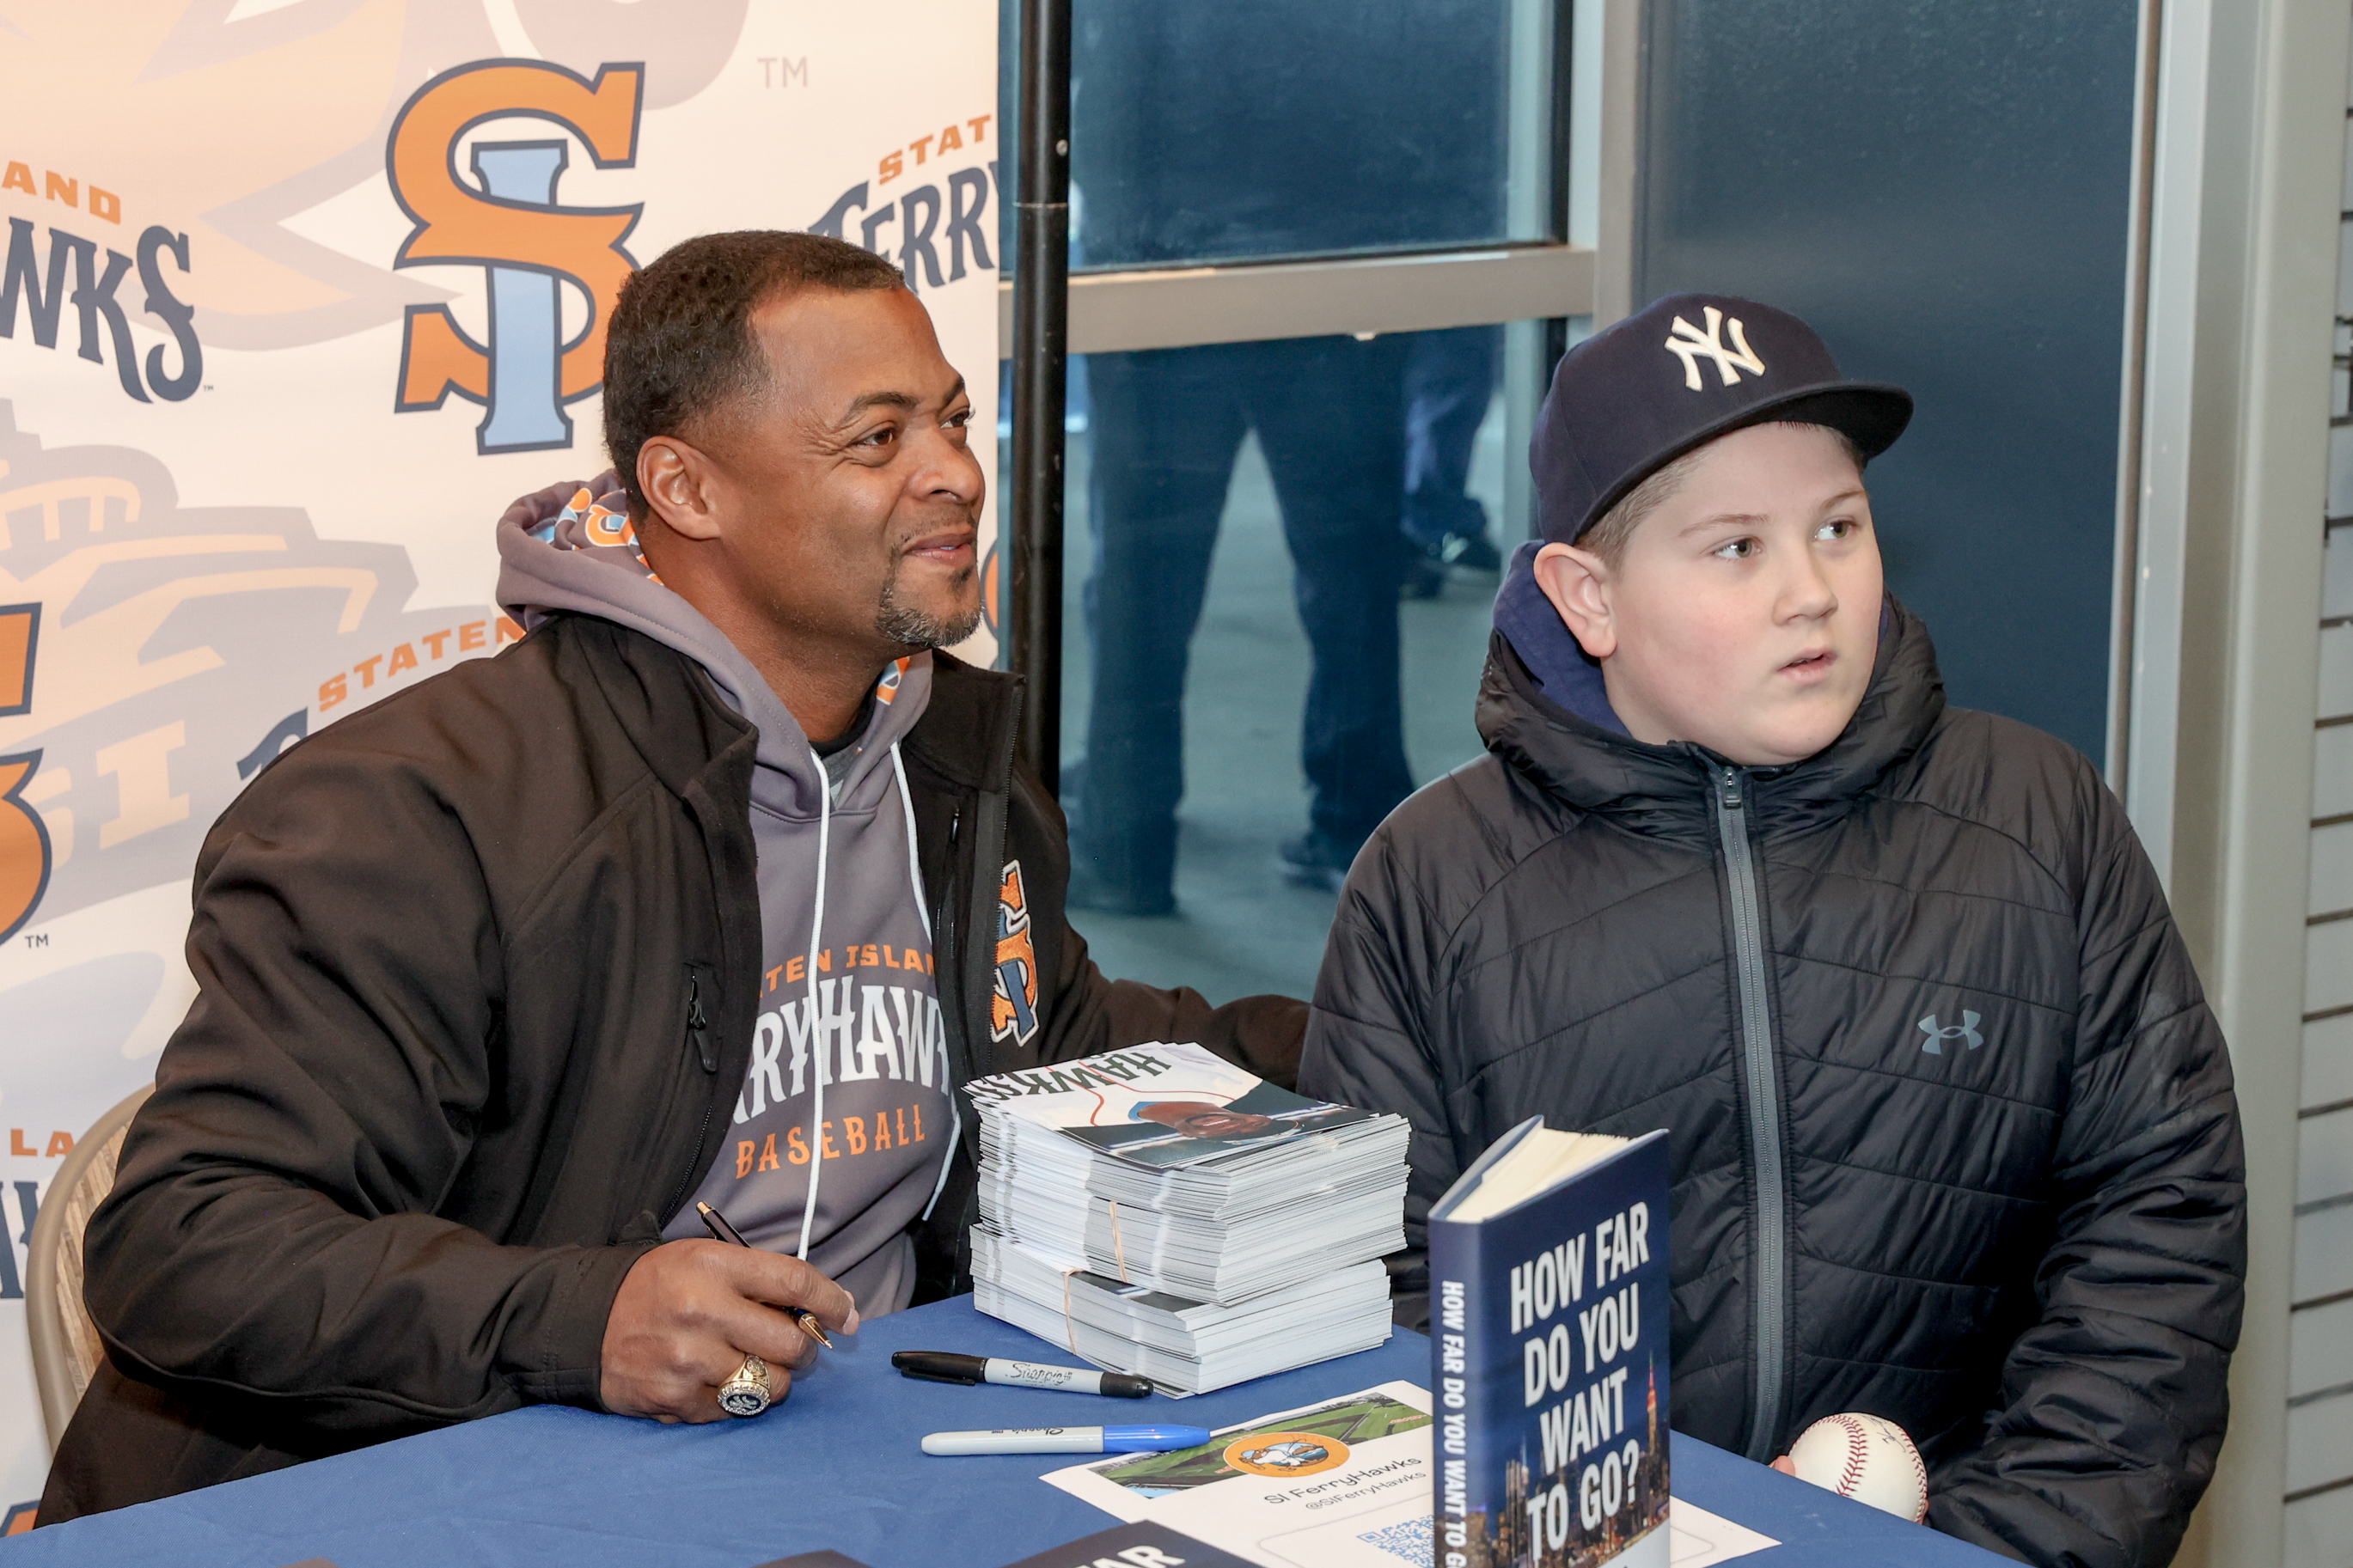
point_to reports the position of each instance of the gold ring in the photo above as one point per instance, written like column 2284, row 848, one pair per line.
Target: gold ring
column 746, row 1393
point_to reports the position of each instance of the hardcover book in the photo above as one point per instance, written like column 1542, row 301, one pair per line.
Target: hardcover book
column 1548, row 1319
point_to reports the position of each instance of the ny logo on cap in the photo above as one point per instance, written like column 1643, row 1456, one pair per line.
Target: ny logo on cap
column 1688, row 342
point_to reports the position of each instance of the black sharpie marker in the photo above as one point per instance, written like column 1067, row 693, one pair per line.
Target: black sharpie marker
column 943, row 1366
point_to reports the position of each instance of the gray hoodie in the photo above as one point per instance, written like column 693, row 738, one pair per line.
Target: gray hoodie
column 848, row 1093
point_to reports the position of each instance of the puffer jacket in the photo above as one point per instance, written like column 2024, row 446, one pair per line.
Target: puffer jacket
column 1953, row 1133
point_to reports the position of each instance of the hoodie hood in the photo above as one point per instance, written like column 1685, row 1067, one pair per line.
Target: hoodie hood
column 571, row 548
column 1562, row 671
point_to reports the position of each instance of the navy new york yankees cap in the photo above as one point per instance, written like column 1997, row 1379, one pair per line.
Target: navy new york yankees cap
column 1684, row 369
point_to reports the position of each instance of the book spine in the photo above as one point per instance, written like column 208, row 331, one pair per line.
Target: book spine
column 1459, row 1356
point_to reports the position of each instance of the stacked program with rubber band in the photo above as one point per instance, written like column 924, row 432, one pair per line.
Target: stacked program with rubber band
column 1158, row 1211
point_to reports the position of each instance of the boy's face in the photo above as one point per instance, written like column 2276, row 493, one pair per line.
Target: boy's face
column 1744, row 615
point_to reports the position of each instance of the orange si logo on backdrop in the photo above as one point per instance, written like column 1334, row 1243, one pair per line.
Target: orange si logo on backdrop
column 24, row 837
column 510, row 225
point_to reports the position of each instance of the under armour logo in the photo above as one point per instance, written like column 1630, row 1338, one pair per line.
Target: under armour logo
column 1688, row 342
column 1965, row 1030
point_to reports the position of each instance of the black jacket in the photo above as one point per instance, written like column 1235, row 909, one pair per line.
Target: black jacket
column 1953, row 1134
column 477, row 968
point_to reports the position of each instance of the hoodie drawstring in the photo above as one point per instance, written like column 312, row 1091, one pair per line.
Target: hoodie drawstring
column 922, row 913
column 817, row 1015
column 816, row 1012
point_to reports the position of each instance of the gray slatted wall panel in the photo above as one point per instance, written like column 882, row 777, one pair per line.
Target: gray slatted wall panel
column 2320, row 1375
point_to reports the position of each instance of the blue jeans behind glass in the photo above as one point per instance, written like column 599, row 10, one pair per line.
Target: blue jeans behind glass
column 1166, row 426
column 1450, row 380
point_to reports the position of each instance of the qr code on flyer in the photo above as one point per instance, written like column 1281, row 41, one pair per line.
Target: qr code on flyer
column 1410, row 1538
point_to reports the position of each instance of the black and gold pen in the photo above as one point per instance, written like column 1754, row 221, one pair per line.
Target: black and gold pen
column 716, row 1222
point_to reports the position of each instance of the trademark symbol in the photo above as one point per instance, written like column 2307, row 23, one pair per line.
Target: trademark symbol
column 38, row 939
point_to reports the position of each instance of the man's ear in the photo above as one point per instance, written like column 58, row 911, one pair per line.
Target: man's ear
column 678, row 479
column 1577, row 584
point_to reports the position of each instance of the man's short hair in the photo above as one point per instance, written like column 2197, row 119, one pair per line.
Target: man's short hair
column 1609, row 538
column 679, row 344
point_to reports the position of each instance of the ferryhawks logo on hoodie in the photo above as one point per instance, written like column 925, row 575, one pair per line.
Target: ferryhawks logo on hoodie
column 1013, row 1010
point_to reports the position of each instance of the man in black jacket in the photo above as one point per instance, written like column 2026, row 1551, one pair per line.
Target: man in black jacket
column 1953, row 1134
column 715, row 886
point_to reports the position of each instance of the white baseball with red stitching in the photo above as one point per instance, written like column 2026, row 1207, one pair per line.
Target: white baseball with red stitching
column 1866, row 1458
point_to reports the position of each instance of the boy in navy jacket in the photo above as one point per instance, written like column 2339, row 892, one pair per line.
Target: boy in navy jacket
column 1953, row 1132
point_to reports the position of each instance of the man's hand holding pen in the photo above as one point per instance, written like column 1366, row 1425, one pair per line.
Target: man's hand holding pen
column 690, row 1311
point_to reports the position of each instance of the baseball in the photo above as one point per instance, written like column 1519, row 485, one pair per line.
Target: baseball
column 1868, row 1458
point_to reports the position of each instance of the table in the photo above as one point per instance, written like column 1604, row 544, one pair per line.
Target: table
column 835, row 1466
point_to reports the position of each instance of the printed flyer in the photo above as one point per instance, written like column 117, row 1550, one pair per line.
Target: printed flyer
column 1344, row 1484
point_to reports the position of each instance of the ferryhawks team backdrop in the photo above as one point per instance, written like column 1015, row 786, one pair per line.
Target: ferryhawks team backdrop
column 298, row 295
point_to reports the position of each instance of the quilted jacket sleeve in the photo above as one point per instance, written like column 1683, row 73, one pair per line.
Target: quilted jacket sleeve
column 270, row 1244
column 2113, row 1405
column 1258, row 1033
column 1369, row 1044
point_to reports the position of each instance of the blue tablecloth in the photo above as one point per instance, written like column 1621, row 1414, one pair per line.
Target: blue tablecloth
column 835, row 1466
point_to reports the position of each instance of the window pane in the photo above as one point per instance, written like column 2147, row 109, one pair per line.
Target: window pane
column 1281, row 569
column 1249, row 129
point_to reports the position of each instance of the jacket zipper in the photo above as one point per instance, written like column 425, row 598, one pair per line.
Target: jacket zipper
column 698, row 1027
column 1761, row 1080
column 697, row 1030
column 944, row 945
column 976, row 960
column 977, row 949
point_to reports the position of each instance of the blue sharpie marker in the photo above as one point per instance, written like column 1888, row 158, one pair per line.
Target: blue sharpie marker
column 1068, row 1440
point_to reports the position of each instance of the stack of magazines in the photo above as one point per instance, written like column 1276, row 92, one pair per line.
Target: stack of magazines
column 1158, row 1211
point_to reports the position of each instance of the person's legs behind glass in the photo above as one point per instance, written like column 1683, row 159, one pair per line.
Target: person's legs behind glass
column 1450, row 380
column 1328, row 413
column 1164, row 429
